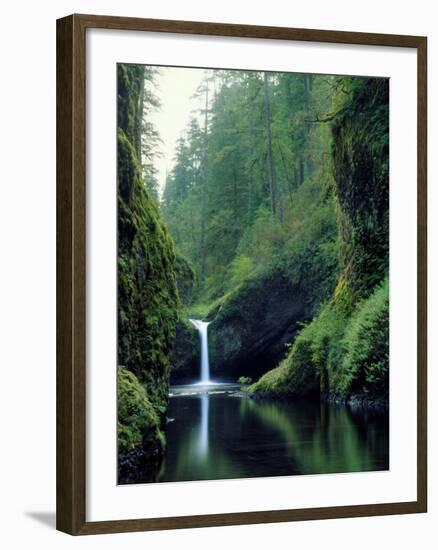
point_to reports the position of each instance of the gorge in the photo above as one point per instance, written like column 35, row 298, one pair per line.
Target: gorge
column 253, row 318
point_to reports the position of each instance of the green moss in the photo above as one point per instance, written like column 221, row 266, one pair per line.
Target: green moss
column 342, row 296
column 130, row 93
column 138, row 421
column 244, row 380
column 365, row 363
column 299, row 377
column 271, row 382
column 148, row 299
column 304, row 371
column 361, row 172
column 204, row 310
column 337, row 354
column 141, row 442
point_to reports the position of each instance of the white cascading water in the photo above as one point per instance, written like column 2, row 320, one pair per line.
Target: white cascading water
column 202, row 327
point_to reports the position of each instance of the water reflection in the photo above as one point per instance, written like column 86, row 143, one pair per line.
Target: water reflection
column 203, row 429
column 218, row 435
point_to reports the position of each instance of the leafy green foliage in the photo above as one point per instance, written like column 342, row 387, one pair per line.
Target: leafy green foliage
column 242, row 236
column 244, row 380
column 365, row 361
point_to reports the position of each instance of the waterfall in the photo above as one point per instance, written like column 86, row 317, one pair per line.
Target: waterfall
column 202, row 327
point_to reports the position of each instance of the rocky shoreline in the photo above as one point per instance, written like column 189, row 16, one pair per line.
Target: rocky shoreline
column 353, row 401
column 357, row 401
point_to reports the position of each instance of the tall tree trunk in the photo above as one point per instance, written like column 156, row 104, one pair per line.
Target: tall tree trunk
column 235, row 207
column 301, row 169
column 290, row 182
column 271, row 181
column 192, row 217
column 307, row 90
column 139, row 120
column 251, row 169
column 280, row 206
column 204, row 186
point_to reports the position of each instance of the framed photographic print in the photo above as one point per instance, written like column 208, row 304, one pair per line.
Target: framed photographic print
column 241, row 274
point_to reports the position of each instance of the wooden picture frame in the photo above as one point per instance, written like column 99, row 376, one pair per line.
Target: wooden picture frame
column 71, row 273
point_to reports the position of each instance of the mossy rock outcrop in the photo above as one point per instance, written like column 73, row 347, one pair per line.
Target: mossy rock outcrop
column 249, row 333
column 148, row 300
column 141, row 441
column 337, row 356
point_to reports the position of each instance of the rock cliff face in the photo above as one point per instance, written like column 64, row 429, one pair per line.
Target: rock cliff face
column 361, row 174
column 185, row 357
column 186, row 354
column 249, row 333
column 147, row 295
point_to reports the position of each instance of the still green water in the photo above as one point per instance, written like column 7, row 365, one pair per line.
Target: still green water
column 215, row 433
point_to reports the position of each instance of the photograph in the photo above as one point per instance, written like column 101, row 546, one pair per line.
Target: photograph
column 218, row 292
column 253, row 274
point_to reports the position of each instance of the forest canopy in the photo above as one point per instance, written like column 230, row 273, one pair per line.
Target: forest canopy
column 234, row 201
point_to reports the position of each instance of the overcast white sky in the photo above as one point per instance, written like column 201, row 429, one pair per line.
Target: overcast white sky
column 175, row 88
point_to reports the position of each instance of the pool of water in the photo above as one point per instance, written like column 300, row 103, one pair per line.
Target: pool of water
column 214, row 432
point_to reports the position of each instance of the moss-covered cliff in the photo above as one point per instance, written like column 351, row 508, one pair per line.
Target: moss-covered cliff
column 185, row 358
column 141, row 440
column 147, row 294
column 344, row 350
column 361, row 172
